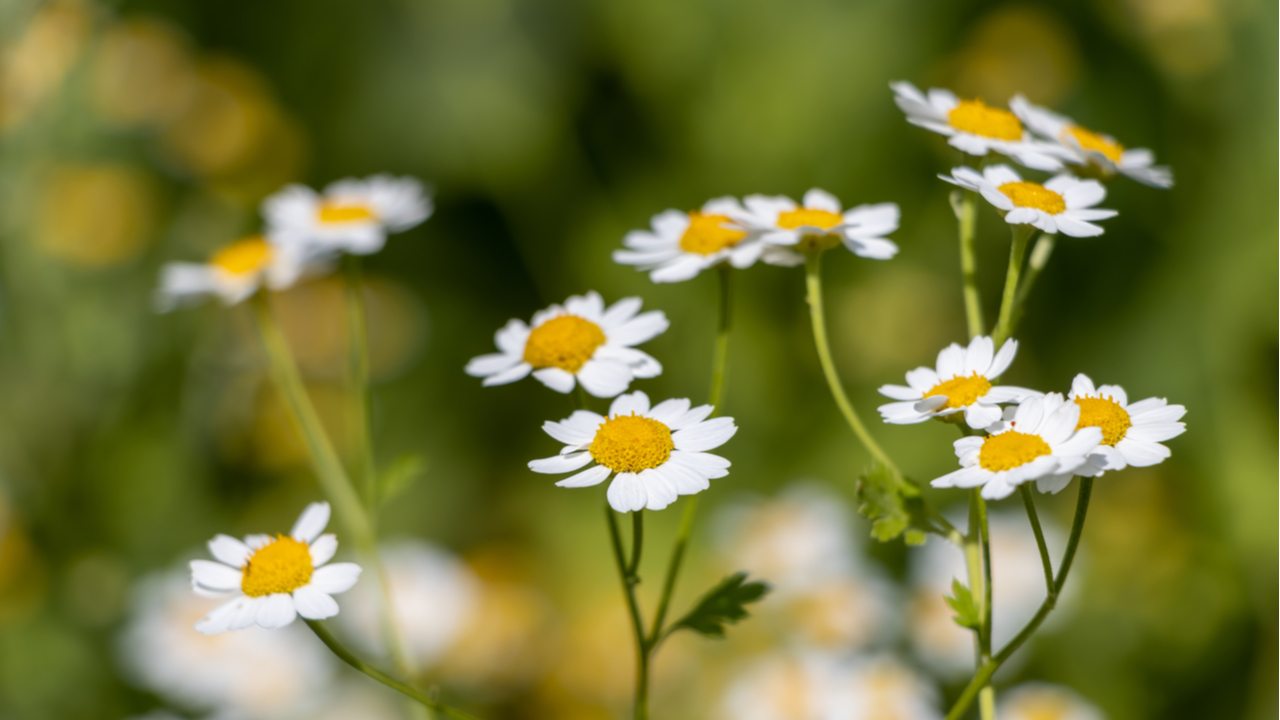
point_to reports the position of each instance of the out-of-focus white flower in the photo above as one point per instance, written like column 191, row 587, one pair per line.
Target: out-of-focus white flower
column 256, row 674
column 819, row 224
column 681, row 244
column 961, row 383
column 234, row 273
column 1131, row 432
column 359, row 699
column 1064, row 204
column 658, row 453
column 274, row 580
column 1091, row 148
column 352, row 216
column 1042, row 701
column 579, row 342
column 816, row 686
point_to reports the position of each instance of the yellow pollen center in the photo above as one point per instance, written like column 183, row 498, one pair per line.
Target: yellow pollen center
column 631, row 443
column 282, row 566
column 336, row 212
column 979, row 118
column 1034, row 195
column 961, row 391
column 566, row 342
column 243, row 256
column 801, row 217
column 1093, row 141
column 1011, row 449
column 1105, row 413
column 707, row 234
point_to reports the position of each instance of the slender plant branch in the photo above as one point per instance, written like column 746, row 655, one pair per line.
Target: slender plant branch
column 1017, row 250
column 965, row 205
column 1029, row 501
column 358, row 388
column 629, row 582
column 1035, row 264
column 637, row 541
column 986, row 696
column 720, row 361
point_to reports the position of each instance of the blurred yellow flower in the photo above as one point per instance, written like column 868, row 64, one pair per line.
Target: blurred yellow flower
column 142, row 73
column 95, row 215
column 35, row 64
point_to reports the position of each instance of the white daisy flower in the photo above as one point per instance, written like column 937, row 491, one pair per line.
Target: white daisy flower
column 658, row 453
column 1091, row 148
column 579, row 342
column 683, row 244
column 1042, row 701
column 974, row 127
column 351, row 215
column 800, row 684
column 1063, row 205
column 274, row 579
column 1131, row 433
column 1039, row 441
column 234, row 273
column 820, row 224
column 961, row 383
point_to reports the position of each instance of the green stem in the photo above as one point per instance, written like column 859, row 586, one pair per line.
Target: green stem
column 986, row 696
column 358, row 389
column 1029, row 501
column 966, row 210
column 1035, row 264
column 1017, row 250
column 637, row 541
column 973, row 567
column 721, row 358
column 349, row 658
column 629, row 582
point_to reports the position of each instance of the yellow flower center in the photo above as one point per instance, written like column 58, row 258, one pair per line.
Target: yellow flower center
column 332, row 212
column 243, row 256
column 1093, row 141
column 1011, row 449
column 1034, row 195
column 802, row 217
column 566, row 342
column 282, row 566
column 707, row 234
column 979, row 118
column 631, row 443
column 1104, row 413
column 961, row 391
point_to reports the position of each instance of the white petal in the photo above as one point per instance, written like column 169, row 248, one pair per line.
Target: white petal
column 508, row 376
column 605, row 378
column 636, row 402
column 311, row 522
column 1054, row 483
column 705, row 464
column 557, row 379
column 620, row 312
column 215, row 576
column 1059, row 425
column 560, row 463
column 1003, row 359
column 899, row 392
column 1155, row 432
column 872, row 248
column 335, row 578
column 492, row 364
column 276, row 611
column 923, row 379
column 979, row 416
column 1142, row 454
column 963, row 478
column 951, row 362
column 978, row 356
column 685, row 267
column 660, row 488
column 1115, row 392
column 511, row 338
column 668, row 411
column 693, row 417
column 223, row 617
column 818, row 199
column 323, row 549
column 902, row 413
column 640, row 328
column 1082, row 386
column 1076, row 228
column 593, row 475
column 229, row 550
column 1140, row 415
column 705, row 436
column 1082, row 442
column 626, row 493
column 313, row 604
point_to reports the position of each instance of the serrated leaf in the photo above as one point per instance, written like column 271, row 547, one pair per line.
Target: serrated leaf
column 722, row 605
column 961, row 601
column 893, row 504
column 399, row 475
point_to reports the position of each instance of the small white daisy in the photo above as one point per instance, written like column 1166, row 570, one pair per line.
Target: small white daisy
column 820, row 223
column 274, row 579
column 234, row 273
column 1042, row 701
column 1064, row 204
column 1131, row 433
column 961, row 383
column 658, row 454
column 351, row 215
column 579, row 342
column 974, row 127
column 1039, row 441
column 683, row 244
column 1090, row 148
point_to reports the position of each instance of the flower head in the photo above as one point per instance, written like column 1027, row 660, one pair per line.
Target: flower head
column 1042, row 701
column 1064, row 204
column 818, row 224
column 1039, row 441
column 656, row 453
column 683, row 244
column 351, row 215
column 234, row 273
column 578, row 342
column 962, row 382
column 974, row 127
column 273, row 579
column 1131, row 432
column 1092, row 148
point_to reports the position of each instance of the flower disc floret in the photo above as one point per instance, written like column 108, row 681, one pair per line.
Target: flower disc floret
column 979, row 118
column 707, row 234
column 961, row 391
column 1090, row 140
column 566, row 342
column 337, row 212
column 1104, row 413
column 282, row 566
column 801, row 217
column 1011, row 449
column 1034, row 195
column 243, row 256
column 632, row 443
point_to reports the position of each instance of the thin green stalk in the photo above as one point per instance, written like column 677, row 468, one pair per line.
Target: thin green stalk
column 966, row 210
column 637, row 541
column 349, row 658
column 986, row 696
column 673, row 569
column 1017, row 250
column 1035, row 264
column 629, row 582
column 721, row 358
column 358, row 401
column 973, row 567
column 1029, row 501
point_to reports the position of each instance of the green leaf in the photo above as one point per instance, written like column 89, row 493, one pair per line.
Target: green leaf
column 894, row 505
column 961, row 600
column 722, row 605
column 399, row 475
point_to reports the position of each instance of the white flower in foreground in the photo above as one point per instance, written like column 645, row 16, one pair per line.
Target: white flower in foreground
column 581, row 341
column 658, row 453
column 961, row 383
column 819, row 224
column 974, row 127
column 234, row 273
column 818, row 686
column 276, row 578
column 683, row 244
column 353, row 216
column 1064, row 204
column 1131, row 432
column 1088, row 147
column 1038, row 442
column 1042, row 701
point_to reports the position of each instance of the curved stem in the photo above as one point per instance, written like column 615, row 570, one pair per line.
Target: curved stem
column 1039, row 258
column 349, row 658
column 1029, row 501
column 629, row 581
column 1017, row 250
column 358, row 401
column 965, row 205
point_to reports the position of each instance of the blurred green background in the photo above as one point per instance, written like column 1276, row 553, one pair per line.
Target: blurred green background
column 136, row 133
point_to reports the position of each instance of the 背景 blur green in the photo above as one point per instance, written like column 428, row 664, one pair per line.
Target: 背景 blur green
column 138, row 132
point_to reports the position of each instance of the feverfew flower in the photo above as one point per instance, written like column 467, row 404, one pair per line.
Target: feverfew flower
column 1091, row 148
column 974, row 127
column 683, row 244
column 234, row 273
column 962, row 382
column 274, row 579
column 1064, row 204
column 799, row 685
column 581, row 341
column 820, row 224
column 1039, row 441
column 351, row 215
column 658, row 453
column 1042, row 701
column 1131, row 433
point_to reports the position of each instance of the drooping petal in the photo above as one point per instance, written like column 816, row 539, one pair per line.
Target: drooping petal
column 229, row 550
column 626, row 493
column 313, row 604
column 707, row 435
column 605, row 378
column 560, row 463
column 223, row 617
column 557, row 379
column 593, row 475
column 276, row 611
column 215, row 576
column 335, row 578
